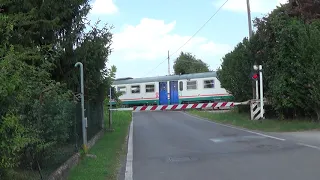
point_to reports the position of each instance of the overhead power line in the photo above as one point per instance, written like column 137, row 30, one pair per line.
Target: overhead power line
column 190, row 37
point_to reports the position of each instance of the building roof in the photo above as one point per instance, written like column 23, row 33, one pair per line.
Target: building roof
column 164, row 78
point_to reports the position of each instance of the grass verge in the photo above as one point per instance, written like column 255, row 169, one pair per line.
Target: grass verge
column 108, row 151
column 267, row 125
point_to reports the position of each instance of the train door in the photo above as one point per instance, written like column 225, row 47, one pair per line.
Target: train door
column 174, row 95
column 163, row 93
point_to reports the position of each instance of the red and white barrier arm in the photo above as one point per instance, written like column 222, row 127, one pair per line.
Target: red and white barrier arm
column 184, row 106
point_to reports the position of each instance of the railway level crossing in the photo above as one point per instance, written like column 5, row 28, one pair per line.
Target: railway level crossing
column 173, row 104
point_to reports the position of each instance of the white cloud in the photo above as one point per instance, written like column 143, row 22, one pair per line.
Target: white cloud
column 151, row 39
column 256, row 6
column 104, row 7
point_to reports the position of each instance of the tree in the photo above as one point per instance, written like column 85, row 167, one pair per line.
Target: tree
column 286, row 44
column 40, row 41
column 234, row 73
column 187, row 63
column 308, row 10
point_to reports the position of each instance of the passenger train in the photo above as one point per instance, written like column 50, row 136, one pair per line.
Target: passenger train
column 171, row 89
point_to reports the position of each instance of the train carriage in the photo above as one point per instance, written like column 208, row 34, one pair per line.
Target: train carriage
column 173, row 89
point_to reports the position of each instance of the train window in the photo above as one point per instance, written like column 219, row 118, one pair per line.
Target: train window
column 181, row 86
column 122, row 89
column 191, row 85
column 208, row 84
column 135, row 89
column 149, row 88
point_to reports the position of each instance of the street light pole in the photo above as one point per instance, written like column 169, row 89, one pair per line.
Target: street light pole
column 84, row 120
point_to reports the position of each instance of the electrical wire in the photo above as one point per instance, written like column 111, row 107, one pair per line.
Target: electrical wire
column 191, row 36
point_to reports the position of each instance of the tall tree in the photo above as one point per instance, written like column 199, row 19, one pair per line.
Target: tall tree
column 187, row 63
column 286, row 45
column 40, row 41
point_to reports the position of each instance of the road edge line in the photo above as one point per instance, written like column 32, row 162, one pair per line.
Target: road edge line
column 129, row 173
column 233, row 127
column 310, row 146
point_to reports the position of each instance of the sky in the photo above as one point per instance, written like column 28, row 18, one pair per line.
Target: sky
column 144, row 31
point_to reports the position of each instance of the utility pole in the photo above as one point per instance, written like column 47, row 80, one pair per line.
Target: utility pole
column 249, row 18
column 250, row 35
column 168, row 64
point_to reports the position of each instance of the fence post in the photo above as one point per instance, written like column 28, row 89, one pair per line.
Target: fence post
column 102, row 115
column 110, row 111
column 110, row 118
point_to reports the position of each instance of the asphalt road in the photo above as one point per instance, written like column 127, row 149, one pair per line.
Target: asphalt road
column 177, row 146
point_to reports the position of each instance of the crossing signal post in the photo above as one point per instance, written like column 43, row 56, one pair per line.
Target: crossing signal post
column 257, row 105
column 255, row 77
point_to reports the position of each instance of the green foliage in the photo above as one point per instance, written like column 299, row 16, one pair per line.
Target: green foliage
column 12, row 141
column 187, row 63
column 288, row 49
column 231, row 77
column 40, row 41
column 32, row 101
column 93, row 51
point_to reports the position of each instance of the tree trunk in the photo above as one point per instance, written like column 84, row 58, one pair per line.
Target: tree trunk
column 318, row 114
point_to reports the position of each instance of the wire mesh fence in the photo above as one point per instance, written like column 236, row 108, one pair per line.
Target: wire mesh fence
column 95, row 119
column 94, row 111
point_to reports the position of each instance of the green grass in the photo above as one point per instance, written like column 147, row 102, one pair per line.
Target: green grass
column 267, row 125
column 108, row 151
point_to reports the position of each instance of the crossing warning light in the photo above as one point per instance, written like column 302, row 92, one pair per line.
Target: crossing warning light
column 255, row 76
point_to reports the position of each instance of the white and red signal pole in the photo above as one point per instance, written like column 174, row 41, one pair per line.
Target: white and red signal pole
column 257, row 105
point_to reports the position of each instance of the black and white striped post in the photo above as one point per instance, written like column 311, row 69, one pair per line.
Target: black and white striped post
column 257, row 105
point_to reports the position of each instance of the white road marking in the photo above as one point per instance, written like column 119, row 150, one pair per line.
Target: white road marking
column 216, row 140
column 310, row 146
column 229, row 126
column 233, row 139
column 128, row 174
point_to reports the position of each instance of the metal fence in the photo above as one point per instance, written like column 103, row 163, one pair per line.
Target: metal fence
column 95, row 121
column 94, row 111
